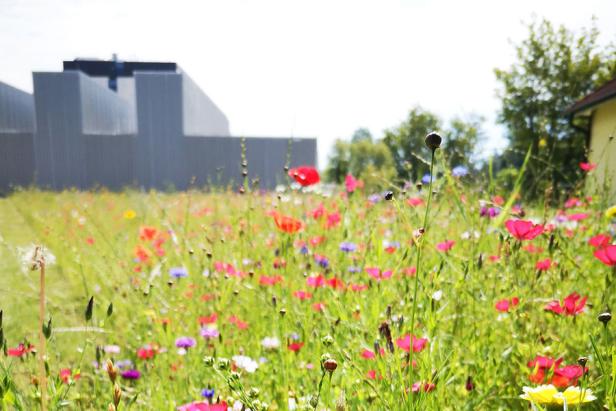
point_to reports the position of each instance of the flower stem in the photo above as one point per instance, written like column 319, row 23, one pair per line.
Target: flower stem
column 418, row 244
column 41, row 356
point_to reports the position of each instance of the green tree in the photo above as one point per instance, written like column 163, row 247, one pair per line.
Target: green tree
column 461, row 140
column 338, row 164
column 553, row 69
column 406, row 143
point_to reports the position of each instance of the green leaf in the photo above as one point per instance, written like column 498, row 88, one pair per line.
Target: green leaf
column 89, row 309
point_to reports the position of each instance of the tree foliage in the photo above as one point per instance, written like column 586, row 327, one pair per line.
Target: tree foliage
column 554, row 68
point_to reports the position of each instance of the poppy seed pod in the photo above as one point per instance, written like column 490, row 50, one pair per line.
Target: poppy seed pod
column 582, row 361
column 433, row 141
column 389, row 195
column 605, row 317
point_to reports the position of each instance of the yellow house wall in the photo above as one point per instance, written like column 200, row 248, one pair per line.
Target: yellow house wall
column 603, row 146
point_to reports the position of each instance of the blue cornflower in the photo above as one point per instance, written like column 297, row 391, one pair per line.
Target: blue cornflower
column 178, row 272
column 459, row 171
column 207, row 393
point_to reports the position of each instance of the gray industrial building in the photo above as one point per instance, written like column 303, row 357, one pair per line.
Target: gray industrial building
column 129, row 124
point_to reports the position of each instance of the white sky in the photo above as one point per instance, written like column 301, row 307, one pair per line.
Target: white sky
column 302, row 68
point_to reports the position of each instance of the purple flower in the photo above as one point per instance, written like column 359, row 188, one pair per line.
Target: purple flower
column 321, row 260
column 178, row 272
column 131, row 374
column 348, row 247
column 426, row 178
column 374, row 198
column 122, row 364
column 185, row 342
column 304, row 250
column 353, row 269
column 209, row 332
column 207, row 393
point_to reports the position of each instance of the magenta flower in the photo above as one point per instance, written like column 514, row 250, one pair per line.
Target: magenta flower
column 131, row 374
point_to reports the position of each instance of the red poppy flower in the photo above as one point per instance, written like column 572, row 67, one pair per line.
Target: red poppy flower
column 567, row 375
column 147, row 352
column 208, row 319
column 66, row 374
column 147, row 233
column 523, row 230
column 573, row 202
column 418, row 343
column 573, row 304
column 600, row 240
column 506, row 304
column 238, row 323
column 318, row 307
column 316, row 281
column 607, row 255
column 335, row 283
column 295, row 346
column 286, row 223
column 267, row 280
column 318, row 212
column 588, row 166
column 305, row 175
column 333, row 219
column 20, row 350
column 577, row 216
column 415, row 201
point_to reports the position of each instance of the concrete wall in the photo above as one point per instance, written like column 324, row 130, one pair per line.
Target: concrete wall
column 168, row 135
column 16, row 138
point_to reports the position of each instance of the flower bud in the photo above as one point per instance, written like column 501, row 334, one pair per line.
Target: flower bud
column 433, row 141
column 223, row 363
column 117, row 395
column 111, row 371
column 254, row 392
column 209, row 361
column 327, row 340
column 582, row 361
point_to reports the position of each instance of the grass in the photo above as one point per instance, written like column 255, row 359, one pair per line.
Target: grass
column 475, row 358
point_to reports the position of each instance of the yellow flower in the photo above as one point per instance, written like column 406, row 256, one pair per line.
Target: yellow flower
column 611, row 212
column 575, row 395
column 130, row 214
column 543, row 394
column 542, row 143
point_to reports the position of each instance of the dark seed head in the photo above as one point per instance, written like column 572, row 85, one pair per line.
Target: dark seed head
column 330, row 365
column 433, row 141
column 582, row 361
column 389, row 195
column 605, row 317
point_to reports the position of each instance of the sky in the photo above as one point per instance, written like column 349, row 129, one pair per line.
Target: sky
column 302, row 68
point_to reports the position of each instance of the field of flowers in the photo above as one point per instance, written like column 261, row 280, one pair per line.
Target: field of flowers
column 310, row 297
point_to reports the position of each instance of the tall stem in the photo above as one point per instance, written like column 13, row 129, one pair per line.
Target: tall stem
column 41, row 350
column 417, row 273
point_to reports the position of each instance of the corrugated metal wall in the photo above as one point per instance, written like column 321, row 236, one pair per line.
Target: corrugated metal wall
column 88, row 136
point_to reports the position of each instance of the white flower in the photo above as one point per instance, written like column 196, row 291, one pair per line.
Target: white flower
column 270, row 343
column 437, row 295
column 246, row 363
column 32, row 252
column 112, row 349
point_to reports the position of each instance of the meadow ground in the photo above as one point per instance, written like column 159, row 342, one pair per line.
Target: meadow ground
column 305, row 300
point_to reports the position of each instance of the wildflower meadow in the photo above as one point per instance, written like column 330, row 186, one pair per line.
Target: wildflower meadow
column 449, row 294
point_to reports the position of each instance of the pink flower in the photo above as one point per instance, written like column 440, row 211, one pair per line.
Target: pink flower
column 423, row 386
column 377, row 274
column 544, row 265
column 418, row 343
column 573, row 304
column 523, row 230
column 445, row 245
column 506, row 304
column 316, row 281
column 351, row 183
column 573, row 202
column 577, row 216
column 302, row 295
column 203, row 406
column 607, row 255
column 588, row 166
